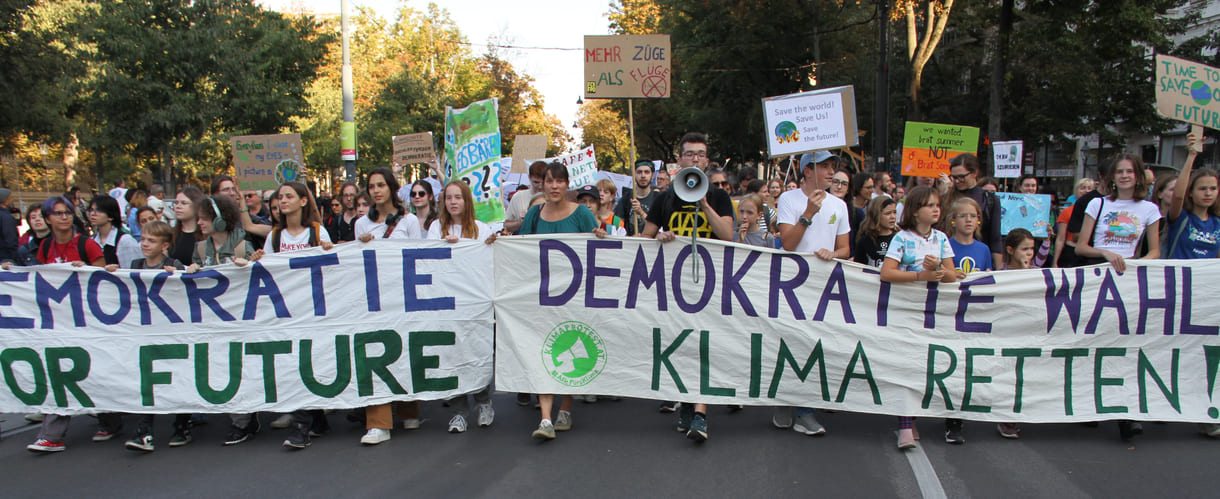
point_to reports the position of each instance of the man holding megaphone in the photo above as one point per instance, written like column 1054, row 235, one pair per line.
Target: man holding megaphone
column 691, row 207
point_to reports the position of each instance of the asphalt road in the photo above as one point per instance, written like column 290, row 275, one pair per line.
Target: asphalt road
column 621, row 449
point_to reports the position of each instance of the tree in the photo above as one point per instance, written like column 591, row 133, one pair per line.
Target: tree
column 935, row 14
column 603, row 128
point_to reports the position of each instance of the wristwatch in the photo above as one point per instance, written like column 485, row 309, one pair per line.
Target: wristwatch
column 805, row 221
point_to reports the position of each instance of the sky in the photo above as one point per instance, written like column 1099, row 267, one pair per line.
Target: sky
column 538, row 23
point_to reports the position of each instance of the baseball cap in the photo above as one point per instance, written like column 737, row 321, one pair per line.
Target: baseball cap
column 4, row 194
column 156, row 204
column 815, row 158
column 587, row 190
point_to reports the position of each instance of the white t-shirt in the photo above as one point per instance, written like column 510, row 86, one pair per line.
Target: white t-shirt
column 828, row 223
column 909, row 249
column 1119, row 227
column 434, row 232
column 518, row 205
column 407, row 228
column 289, row 242
column 120, row 194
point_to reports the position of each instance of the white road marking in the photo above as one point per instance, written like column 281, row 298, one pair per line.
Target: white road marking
column 925, row 476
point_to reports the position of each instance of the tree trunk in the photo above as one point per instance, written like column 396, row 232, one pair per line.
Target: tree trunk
column 920, row 52
column 999, row 69
column 99, row 159
column 70, row 157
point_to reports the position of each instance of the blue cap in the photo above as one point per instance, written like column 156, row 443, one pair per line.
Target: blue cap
column 815, row 158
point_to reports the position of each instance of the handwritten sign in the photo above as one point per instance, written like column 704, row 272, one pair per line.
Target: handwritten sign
column 472, row 152
column 266, row 161
column 810, row 121
column 928, row 147
column 627, row 67
column 582, row 167
column 1007, row 157
column 1188, row 91
column 526, row 149
column 413, row 148
column 1031, row 212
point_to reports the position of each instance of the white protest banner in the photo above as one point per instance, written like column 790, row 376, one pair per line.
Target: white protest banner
column 1007, row 157
column 623, row 316
column 359, row 325
column 582, row 167
column 810, row 121
column 1188, row 91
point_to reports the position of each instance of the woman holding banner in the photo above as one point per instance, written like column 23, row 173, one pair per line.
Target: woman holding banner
column 386, row 219
column 456, row 223
column 558, row 215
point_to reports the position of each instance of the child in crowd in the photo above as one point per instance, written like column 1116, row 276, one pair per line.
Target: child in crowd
column 969, row 254
column 876, row 231
column 918, row 253
column 299, row 226
column 156, row 239
column 1018, row 255
column 749, row 231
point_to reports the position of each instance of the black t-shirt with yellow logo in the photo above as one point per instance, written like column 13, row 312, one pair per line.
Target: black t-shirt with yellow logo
column 680, row 217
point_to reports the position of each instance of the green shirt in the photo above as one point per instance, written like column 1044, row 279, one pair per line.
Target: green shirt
column 581, row 220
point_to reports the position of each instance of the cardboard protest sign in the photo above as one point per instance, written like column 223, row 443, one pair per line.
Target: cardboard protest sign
column 1031, row 212
column 266, row 161
column 413, row 148
column 810, row 121
column 472, row 154
column 1188, row 91
column 527, row 148
column 1007, row 157
column 627, row 67
column 928, row 147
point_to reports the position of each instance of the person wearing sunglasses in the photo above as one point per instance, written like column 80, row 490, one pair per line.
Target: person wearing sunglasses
column 423, row 203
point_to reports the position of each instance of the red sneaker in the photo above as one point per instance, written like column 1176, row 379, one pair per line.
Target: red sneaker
column 44, row 445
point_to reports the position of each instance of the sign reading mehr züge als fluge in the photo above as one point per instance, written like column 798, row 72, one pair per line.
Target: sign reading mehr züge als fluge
column 810, row 121
column 266, row 161
column 1188, row 91
column 627, row 67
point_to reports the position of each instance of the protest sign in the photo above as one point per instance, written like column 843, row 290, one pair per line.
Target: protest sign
column 627, row 67
column 1188, row 91
column 1031, row 212
column 472, row 154
column 358, row 325
column 928, row 147
column 810, row 121
column 623, row 316
column 413, row 148
column 526, row 149
column 582, row 167
column 266, row 161
column 1007, row 157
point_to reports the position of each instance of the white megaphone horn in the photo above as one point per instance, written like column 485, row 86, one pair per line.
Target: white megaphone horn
column 690, row 184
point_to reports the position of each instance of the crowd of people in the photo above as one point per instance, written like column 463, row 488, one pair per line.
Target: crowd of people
column 932, row 229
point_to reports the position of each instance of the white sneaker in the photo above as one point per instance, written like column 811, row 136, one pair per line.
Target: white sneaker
column 564, row 421
column 34, row 417
column 457, row 424
column 486, row 415
column 411, row 424
column 284, row 421
column 375, row 436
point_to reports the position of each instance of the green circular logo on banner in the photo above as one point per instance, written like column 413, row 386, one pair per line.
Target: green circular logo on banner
column 287, row 171
column 573, row 353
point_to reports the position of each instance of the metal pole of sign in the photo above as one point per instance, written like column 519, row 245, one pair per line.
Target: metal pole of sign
column 349, row 162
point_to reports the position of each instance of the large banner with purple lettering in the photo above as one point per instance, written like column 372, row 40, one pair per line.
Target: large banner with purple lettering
column 725, row 323
column 361, row 324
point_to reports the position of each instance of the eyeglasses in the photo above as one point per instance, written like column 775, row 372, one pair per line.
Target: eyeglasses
column 418, row 194
column 334, row 205
column 62, row 213
column 694, row 154
column 959, row 177
column 836, row 181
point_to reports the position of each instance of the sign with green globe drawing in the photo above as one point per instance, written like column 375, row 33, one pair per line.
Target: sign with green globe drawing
column 1188, row 91
column 573, row 353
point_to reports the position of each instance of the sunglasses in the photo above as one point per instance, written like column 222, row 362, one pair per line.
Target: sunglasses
column 418, row 194
column 720, row 184
column 251, row 195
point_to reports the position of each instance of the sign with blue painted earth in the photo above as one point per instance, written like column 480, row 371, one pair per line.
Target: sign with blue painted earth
column 810, row 121
column 1188, row 91
column 266, row 161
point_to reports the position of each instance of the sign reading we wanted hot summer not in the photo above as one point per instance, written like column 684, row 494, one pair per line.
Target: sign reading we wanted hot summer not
column 928, row 147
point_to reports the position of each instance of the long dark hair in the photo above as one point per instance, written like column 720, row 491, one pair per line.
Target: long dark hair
column 309, row 212
column 196, row 196
column 432, row 214
column 1141, row 182
column 390, row 182
column 109, row 207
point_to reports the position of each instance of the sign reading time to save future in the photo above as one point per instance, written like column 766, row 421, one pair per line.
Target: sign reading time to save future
column 1188, row 91
column 627, row 67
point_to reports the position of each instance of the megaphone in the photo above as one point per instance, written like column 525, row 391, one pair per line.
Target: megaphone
column 690, row 184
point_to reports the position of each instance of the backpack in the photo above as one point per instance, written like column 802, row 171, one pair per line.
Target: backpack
column 44, row 249
column 313, row 236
